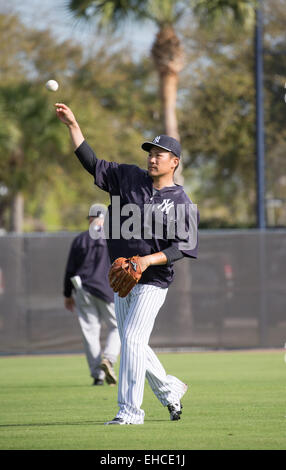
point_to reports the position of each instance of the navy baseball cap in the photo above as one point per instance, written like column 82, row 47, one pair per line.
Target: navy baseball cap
column 165, row 142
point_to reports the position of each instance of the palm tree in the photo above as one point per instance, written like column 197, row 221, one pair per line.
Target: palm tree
column 167, row 50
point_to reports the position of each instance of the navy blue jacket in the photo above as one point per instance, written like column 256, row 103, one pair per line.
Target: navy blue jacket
column 89, row 259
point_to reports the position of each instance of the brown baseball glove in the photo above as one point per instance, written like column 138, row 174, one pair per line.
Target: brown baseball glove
column 124, row 274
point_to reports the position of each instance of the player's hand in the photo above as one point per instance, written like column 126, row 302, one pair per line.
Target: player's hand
column 69, row 303
column 65, row 114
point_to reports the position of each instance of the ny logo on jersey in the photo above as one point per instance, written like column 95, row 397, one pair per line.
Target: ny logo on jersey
column 166, row 205
column 157, row 139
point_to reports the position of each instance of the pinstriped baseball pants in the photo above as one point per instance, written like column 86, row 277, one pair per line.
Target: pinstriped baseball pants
column 136, row 315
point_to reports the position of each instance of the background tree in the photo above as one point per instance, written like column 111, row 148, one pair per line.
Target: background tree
column 30, row 143
column 37, row 165
column 220, row 142
column 167, row 50
column 215, row 111
column 275, row 105
column 30, row 138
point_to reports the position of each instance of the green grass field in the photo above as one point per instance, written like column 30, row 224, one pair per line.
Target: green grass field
column 236, row 400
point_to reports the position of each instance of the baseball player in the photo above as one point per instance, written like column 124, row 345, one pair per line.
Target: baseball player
column 86, row 289
column 136, row 312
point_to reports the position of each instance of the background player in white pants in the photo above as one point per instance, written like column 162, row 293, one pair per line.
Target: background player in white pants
column 86, row 290
column 137, row 312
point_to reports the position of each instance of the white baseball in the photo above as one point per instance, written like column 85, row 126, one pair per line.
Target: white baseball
column 52, row 85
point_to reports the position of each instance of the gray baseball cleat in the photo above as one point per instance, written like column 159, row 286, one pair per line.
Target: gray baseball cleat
column 107, row 367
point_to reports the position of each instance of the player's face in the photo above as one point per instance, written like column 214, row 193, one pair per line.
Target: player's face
column 161, row 162
column 96, row 220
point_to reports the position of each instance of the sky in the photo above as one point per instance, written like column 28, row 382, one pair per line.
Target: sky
column 53, row 14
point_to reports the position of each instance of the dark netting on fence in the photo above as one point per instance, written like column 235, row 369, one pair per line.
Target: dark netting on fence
column 232, row 296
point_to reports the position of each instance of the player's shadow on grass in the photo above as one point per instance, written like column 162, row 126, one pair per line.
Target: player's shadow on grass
column 77, row 423
column 51, row 386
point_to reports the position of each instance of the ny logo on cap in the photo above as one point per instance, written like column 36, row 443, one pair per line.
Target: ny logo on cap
column 157, row 139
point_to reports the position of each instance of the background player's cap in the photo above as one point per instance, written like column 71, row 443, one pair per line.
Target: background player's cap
column 165, row 142
column 97, row 210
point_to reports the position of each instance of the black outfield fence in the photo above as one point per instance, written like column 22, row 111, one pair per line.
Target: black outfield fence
column 232, row 296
